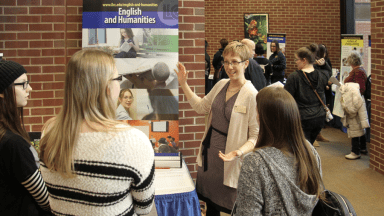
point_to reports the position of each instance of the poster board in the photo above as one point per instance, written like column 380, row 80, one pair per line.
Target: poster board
column 280, row 37
column 349, row 44
column 256, row 28
column 142, row 35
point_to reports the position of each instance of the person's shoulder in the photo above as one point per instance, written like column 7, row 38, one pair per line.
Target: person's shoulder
column 12, row 141
column 250, row 89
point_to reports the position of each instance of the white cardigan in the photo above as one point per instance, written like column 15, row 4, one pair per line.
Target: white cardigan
column 243, row 127
column 355, row 118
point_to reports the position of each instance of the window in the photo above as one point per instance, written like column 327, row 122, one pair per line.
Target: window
column 97, row 36
column 363, row 11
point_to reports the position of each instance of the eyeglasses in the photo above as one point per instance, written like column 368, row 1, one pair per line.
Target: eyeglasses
column 232, row 63
column 130, row 98
column 24, row 84
column 119, row 78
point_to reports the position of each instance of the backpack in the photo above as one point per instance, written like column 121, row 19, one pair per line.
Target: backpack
column 336, row 205
column 367, row 93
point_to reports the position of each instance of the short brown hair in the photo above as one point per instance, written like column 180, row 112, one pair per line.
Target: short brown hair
column 238, row 48
column 223, row 43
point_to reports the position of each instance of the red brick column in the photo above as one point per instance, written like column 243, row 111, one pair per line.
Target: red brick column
column 377, row 109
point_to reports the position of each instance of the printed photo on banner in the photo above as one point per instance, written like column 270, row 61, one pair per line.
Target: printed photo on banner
column 163, row 135
column 133, row 42
column 146, row 104
column 256, row 28
column 158, row 73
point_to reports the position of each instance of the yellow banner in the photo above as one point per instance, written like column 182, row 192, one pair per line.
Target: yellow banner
column 352, row 42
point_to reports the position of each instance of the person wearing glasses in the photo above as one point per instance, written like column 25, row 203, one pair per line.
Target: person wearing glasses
column 277, row 62
column 22, row 189
column 91, row 163
column 232, row 130
column 124, row 110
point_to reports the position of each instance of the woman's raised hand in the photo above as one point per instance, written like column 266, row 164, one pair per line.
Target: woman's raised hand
column 182, row 74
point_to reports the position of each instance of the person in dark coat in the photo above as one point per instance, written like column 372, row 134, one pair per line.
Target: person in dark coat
column 263, row 62
column 278, row 63
column 218, row 59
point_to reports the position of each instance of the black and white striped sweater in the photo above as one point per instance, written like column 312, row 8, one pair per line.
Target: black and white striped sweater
column 114, row 176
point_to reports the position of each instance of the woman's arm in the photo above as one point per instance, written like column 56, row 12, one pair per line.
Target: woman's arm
column 143, row 188
column 200, row 105
column 135, row 45
column 35, row 185
column 249, row 199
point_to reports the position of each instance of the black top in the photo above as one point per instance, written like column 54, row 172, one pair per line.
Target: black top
column 306, row 99
column 17, row 164
column 277, row 59
column 217, row 58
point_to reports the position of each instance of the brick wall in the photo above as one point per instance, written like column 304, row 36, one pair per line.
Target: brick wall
column 377, row 110
column 43, row 34
column 303, row 21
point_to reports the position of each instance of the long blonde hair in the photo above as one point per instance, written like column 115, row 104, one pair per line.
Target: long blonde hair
column 85, row 101
column 280, row 127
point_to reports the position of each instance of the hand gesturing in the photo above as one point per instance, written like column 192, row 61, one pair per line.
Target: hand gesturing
column 182, row 74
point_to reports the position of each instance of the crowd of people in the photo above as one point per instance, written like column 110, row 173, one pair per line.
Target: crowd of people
column 256, row 156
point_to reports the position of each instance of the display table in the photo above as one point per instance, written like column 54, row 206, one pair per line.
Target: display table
column 175, row 193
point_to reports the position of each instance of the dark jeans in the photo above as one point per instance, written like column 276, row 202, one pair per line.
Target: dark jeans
column 312, row 127
column 359, row 143
column 277, row 78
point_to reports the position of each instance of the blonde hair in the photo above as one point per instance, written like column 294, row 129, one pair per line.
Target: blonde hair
column 239, row 49
column 85, row 100
column 354, row 59
column 130, row 111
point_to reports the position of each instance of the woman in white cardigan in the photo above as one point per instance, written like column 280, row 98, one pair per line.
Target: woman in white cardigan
column 232, row 130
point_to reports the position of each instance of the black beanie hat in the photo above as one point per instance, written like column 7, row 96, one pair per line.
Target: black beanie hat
column 9, row 72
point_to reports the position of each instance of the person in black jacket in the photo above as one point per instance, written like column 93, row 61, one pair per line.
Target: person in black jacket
column 312, row 112
column 263, row 62
column 278, row 63
column 218, row 59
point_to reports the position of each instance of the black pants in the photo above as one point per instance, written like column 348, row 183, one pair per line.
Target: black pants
column 359, row 143
column 312, row 127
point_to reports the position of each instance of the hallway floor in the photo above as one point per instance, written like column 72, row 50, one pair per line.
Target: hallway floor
column 362, row 186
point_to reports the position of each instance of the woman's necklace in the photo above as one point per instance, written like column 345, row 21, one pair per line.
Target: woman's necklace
column 237, row 89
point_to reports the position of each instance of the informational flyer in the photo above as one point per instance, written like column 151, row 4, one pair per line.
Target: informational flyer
column 280, row 37
column 142, row 35
column 349, row 44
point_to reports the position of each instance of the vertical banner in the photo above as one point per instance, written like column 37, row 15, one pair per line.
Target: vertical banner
column 369, row 56
column 142, row 35
column 280, row 38
column 349, row 44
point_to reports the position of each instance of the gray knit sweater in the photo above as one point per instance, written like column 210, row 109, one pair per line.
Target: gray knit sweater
column 268, row 185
